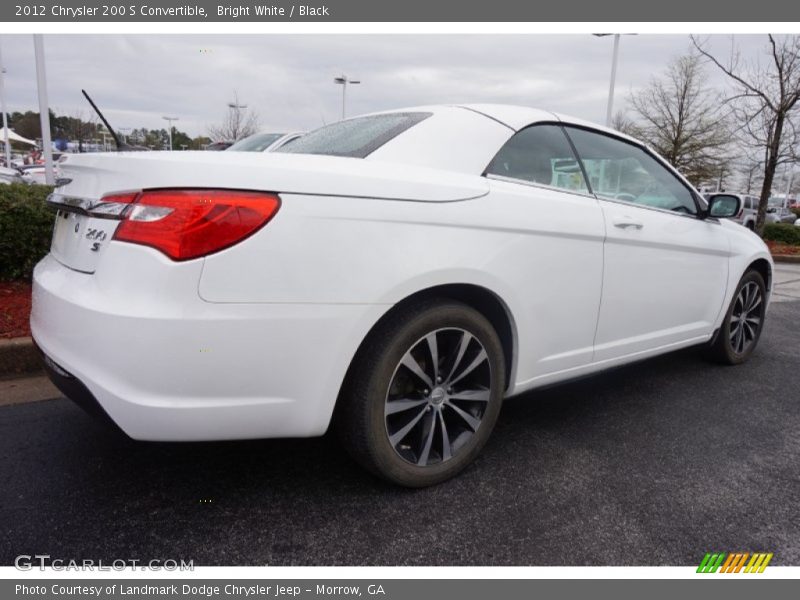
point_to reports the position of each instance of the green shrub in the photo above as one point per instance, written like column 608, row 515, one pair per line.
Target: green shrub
column 782, row 232
column 26, row 226
column 796, row 211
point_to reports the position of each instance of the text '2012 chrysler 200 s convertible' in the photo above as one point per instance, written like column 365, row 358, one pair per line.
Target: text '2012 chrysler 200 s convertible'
column 395, row 275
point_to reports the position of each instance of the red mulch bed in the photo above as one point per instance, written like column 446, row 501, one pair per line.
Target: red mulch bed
column 784, row 249
column 15, row 309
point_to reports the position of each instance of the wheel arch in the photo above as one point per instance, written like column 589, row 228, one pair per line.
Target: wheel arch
column 763, row 268
column 485, row 301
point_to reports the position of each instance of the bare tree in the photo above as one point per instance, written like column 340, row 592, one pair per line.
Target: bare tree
column 765, row 104
column 624, row 124
column 81, row 128
column 682, row 120
column 239, row 123
column 751, row 170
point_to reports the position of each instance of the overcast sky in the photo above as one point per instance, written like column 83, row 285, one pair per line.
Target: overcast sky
column 288, row 79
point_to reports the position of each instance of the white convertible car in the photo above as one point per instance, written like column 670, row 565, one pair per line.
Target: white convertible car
column 396, row 275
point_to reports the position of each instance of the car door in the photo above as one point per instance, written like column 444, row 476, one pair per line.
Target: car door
column 665, row 270
column 553, row 249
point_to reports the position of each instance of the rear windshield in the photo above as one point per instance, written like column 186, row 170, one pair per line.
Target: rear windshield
column 355, row 138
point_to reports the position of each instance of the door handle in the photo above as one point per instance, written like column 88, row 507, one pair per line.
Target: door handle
column 627, row 222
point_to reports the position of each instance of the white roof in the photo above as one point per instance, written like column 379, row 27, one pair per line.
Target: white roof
column 518, row 117
column 14, row 137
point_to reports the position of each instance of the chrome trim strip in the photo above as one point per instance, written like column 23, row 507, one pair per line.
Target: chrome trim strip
column 87, row 207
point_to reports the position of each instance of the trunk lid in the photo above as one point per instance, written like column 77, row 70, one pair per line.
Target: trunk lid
column 93, row 175
column 79, row 238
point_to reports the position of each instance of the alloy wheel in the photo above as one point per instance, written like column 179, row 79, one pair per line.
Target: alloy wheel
column 746, row 317
column 438, row 396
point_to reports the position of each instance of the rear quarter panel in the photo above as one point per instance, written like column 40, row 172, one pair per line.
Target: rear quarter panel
column 360, row 251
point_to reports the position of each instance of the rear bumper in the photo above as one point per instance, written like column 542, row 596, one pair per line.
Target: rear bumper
column 171, row 367
column 74, row 389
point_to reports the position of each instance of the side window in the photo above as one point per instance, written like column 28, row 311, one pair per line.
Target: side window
column 540, row 154
column 748, row 202
column 623, row 171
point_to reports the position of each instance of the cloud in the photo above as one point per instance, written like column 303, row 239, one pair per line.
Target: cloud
column 288, row 79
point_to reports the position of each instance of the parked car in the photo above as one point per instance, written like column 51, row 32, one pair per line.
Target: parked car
column 33, row 173
column 749, row 212
column 263, row 142
column 781, row 208
column 396, row 274
column 10, row 175
column 218, row 146
column 36, row 173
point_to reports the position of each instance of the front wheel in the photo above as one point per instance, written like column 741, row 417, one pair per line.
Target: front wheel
column 743, row 323
column 423, row 394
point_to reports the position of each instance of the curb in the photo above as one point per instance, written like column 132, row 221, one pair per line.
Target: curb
column 18, row 356
column 786, row 258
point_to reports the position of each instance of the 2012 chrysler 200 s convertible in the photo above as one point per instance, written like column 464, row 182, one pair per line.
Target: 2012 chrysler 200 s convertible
column 396, row 275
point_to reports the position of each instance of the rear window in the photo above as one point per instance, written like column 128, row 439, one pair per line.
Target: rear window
column 356, row 138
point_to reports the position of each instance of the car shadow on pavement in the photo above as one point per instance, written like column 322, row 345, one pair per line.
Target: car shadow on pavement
column 651, row 463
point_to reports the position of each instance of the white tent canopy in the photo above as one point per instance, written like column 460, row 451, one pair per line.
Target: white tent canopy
column 14, row 137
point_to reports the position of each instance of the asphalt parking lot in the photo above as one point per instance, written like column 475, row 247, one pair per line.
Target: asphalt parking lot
column 652, row 464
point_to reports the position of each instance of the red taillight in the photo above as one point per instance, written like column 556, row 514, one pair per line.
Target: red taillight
column 185, row 224
column 121, row 197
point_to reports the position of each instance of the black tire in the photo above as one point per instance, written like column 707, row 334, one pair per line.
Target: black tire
column 727, row 348
column 365, row 423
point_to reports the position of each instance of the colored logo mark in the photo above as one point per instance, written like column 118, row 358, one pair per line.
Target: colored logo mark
column 734, row 562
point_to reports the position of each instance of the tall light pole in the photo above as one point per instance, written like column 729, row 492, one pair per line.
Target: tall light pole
column 235, row 120
column 344, row 81
column 170, row 120
column 612, row 82
column 44, row 110
column 3, row 108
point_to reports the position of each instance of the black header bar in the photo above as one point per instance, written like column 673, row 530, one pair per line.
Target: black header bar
column 440, row 11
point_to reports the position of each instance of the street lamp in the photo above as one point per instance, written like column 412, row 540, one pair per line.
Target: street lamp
column 614, row 60
column 124, row 131
column 791, row 181
column 170, row 120
column 344, row 81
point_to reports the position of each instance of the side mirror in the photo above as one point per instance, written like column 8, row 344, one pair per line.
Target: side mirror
column 723, row 206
